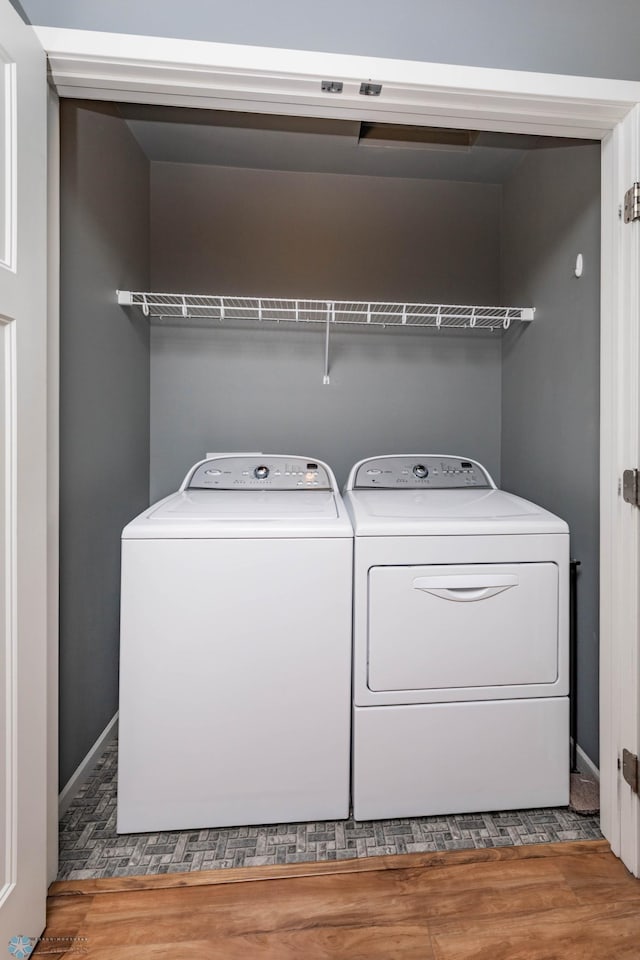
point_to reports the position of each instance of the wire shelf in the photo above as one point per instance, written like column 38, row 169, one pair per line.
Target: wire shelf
column 353, row 313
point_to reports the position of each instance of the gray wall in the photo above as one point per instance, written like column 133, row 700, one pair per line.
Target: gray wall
column 550, row 410
column 262, row 390
column 588, row 37
column 274, row 233
column 267, row 233
column 104, row 406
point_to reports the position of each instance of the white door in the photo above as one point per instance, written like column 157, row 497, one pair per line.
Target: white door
column 620, row 521
column 23, row 531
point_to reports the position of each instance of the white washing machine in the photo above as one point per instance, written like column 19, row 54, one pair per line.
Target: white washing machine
column 235, row 661
column 460, row 642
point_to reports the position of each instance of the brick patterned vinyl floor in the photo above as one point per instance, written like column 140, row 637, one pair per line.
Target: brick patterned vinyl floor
column 91, row 848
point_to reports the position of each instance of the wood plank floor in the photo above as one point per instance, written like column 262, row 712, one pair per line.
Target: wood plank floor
column 563, row 901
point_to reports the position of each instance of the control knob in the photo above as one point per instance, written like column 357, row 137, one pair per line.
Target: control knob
column 261, row 472
column 420, row 471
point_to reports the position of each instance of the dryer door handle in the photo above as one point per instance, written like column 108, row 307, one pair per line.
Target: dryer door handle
column 465, row 588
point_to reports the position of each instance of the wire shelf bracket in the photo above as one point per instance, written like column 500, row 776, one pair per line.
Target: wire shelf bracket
column 185, row 307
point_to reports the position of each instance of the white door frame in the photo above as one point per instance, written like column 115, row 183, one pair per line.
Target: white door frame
column 24, row 539
column 53, row 473
column 102, row 66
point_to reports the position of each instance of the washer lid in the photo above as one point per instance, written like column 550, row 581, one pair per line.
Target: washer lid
column 462, row 512
column 248, row 496
column 221, row 514
column 258, row 505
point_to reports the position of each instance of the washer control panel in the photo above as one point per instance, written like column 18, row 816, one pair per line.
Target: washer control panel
column 420, row 471
column 259, row 473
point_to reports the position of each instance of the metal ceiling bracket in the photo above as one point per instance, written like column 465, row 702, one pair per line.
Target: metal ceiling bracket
column 369, row 89
column 332, row 86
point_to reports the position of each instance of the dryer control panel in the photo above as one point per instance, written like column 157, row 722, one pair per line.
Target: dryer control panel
column 420, row 471
column 262, row 472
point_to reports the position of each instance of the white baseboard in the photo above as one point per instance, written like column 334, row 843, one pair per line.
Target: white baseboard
column 586, row 765
column 84, row 770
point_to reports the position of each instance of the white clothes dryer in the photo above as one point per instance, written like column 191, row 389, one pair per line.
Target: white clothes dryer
column 460, row 694
column 235, row 692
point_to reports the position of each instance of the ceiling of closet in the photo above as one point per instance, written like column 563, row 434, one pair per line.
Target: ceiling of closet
column 267, row 142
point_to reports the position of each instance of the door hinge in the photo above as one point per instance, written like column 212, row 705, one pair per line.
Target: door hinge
column 631, row 487
column 632, row 203
column 630, row 769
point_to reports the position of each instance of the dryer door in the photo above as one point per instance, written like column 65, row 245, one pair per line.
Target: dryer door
column 473, row 626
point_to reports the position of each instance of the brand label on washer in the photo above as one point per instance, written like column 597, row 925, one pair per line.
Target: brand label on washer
column 260, row 473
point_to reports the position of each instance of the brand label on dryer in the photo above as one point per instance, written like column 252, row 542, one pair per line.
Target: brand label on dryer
column 420, row 472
